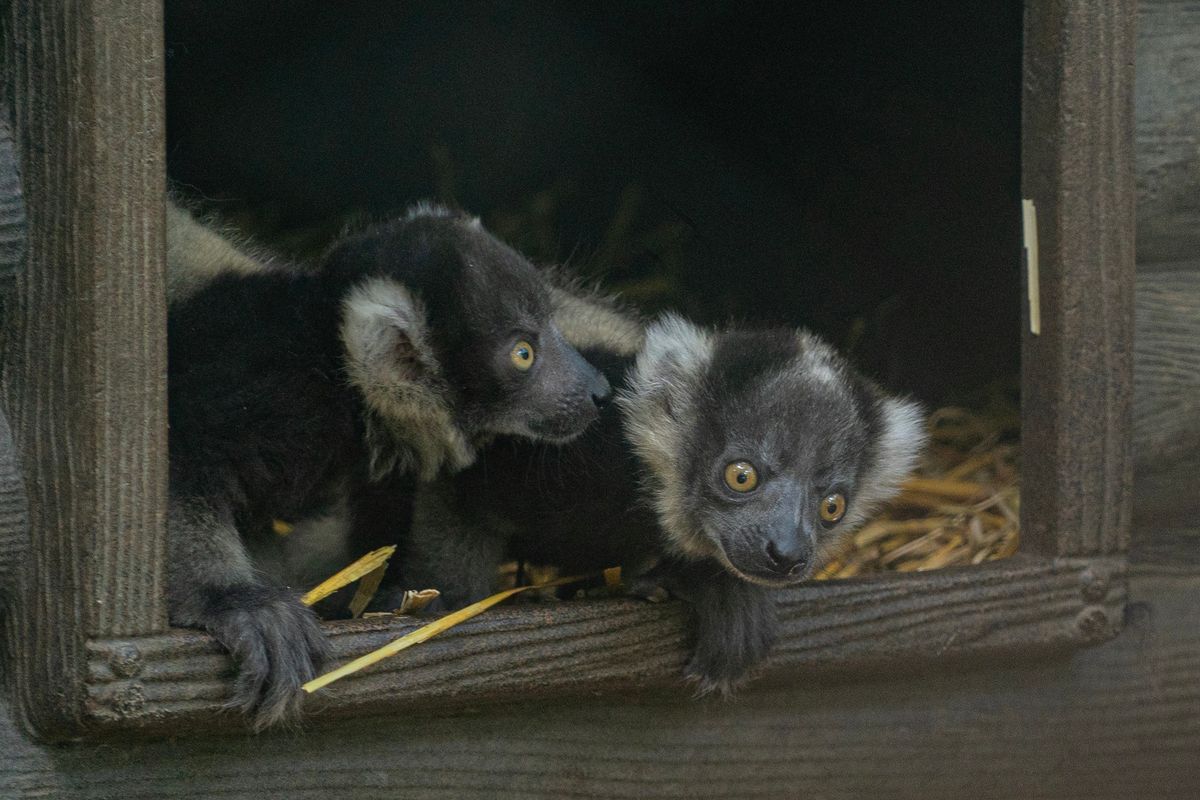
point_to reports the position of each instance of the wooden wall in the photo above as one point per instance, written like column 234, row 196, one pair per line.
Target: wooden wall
column 1118, row 720
column 1167, row 150
column 1167, row 119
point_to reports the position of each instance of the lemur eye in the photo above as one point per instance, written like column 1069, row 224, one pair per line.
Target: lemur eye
column 522, row 355
column 833, row 507
column 741, row 476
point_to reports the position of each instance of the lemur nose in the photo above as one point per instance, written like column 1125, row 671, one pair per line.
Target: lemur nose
column 789, row 562
column 601, row 391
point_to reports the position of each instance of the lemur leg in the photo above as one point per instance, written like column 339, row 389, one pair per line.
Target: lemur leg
column 380, row 514
column 732, row 622
column 449, row 552
column 276, row 641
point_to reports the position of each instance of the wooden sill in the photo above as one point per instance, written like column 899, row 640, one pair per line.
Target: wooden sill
column 178, row 681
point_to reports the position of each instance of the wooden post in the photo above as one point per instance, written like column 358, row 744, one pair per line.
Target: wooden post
column 1077, row 167
column 84, row 344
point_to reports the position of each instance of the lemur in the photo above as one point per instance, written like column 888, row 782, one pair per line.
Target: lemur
column 295, row 392
column 732, row 462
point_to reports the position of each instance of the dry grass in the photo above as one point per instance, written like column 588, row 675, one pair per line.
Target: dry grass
column 961, row 507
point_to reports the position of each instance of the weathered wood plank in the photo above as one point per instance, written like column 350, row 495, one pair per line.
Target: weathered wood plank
column 1013, row 608
column 1168, row 130
column 1166, row 368
column 1169, row 550
column 13, row 224
column 1117, row 721
column 1167, row 498
column 84, row 339
column 1077, row 165
column 14, row 516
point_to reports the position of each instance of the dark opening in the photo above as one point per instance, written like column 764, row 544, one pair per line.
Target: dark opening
column 853, row 168
column 850, row 167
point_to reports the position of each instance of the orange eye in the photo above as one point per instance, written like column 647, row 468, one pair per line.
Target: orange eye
column 833, row 507
column 522, row 355
column 741, row 476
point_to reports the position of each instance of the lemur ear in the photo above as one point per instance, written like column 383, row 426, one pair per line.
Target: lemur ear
column 673, row 358
column 391, row 361
column 660, row 396
column 902, row 439
column 386, row 336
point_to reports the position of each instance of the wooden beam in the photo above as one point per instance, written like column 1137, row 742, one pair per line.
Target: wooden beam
column 84, row 353
column 1077, row 167
column 1117, row 721
column 1005, row 610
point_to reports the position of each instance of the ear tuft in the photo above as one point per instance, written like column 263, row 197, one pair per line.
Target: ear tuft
column 385, row 333
column 901, row 438
column 410, row 423
column 659, row 404
column 904, row 437
column 674, row 348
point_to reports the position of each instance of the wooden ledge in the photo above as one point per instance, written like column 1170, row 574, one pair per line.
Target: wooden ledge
column 178, row 681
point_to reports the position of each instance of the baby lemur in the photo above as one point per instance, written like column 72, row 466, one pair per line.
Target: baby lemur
column 731, row 463
column 296, row 391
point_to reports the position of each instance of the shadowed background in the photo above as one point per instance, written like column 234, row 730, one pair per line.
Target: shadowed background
column 850, row 167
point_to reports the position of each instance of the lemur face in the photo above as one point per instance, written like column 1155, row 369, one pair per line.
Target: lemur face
column 779, row 447
column 449, row 328
column 514, row 371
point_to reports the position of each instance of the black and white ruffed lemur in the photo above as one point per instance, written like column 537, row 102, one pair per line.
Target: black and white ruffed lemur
column 731, row 462
column 296, row 393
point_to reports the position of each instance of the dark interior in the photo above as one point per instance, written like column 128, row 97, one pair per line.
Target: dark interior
column 850, row 167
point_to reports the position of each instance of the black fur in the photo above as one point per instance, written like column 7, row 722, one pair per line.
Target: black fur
column 780, row 399
column 280, row 408
column 576, row 506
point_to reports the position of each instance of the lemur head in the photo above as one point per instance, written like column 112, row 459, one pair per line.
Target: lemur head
column 448, row 334
column 762, row 448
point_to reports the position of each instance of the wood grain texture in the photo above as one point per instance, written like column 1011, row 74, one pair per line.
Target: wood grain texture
column 14, row 516
column 1112, row 722
column 1167, row 498
column 1166, row 364
column 13, row 223
column 1077, row 165
column 1169, row 550
column 1008, row 609
column 84, row 338
column 1168, row 130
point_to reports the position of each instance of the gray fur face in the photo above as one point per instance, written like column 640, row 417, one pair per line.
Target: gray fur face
column 450, row 337
column 784, row 403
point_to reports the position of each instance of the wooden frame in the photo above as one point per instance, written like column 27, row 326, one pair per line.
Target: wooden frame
column 84, row 385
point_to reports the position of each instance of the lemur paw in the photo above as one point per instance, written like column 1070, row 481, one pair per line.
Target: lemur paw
column 733, row 630
column 278, row 646
column 722, row 666
column 713, row 680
